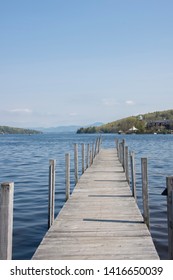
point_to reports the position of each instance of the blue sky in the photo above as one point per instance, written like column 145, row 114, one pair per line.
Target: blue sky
column 81, row 61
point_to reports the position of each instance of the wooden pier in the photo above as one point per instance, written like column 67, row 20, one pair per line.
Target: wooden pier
column 100, row 220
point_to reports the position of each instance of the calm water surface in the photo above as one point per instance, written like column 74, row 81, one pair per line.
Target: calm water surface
column 24, row 160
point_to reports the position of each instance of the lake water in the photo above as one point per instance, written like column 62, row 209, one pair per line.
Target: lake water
column 24, row 160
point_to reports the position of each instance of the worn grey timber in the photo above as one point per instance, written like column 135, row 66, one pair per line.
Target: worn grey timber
column 101, row 219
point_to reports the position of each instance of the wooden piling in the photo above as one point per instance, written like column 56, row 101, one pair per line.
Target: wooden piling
column 51, row 204
column 133, row 175
column 145, row 191
column 67, row 159
column 126, row 165
column 6, row 220
column 76, row 162
column 117, row 145
column 119, row 152
column 123, row 154
column 90, row 158
column 95, row 153
column 92, row 152
column 87, row 156
column 99, row 143
column 169, row 183
column 83, row 158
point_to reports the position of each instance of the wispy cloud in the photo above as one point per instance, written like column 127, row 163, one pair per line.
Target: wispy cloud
column 24, row 110
column 130, row 102
column 72, row 114
column 109, row 102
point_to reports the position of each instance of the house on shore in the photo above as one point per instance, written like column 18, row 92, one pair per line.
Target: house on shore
column 160, row 124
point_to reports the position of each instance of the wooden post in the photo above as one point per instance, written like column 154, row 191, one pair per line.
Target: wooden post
column 95, row 153
column 51, row 206
column 145, row 191
column 76, row 162
column 87, row 157
column 127, row 163
column 169, row 183
column 119, row 151
column 67, row 160
column 133, row 174
column 92, row 152
column 6, row 220
column 117, row 145
column 123, row 154
column 90, row 157
column 83, row 158
column 99, row 144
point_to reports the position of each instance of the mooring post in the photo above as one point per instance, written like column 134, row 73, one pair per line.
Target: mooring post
column 119, row 152
column 51, row 204
column 117, row 146
column 76, row 162
column 67, row 160
column 90, row 160
column 6, row 220
column 92, row 152
column 87, row 157
column 83, row 158
column 123, row 154
column 169, row 184
column 133, row 175
column 127, row 163
column 95, row 153
column 99, row 144
column 145, row 191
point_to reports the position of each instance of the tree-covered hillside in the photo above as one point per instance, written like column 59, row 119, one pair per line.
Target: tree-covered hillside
column 15, row 130
column 160, row 122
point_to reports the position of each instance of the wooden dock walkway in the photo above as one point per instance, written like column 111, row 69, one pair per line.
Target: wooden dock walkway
column 100, row 220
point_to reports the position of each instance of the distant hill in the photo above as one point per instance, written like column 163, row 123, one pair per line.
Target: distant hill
column 159, row 122
column 15, row 130
column 59, row 129
column 68, row 128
